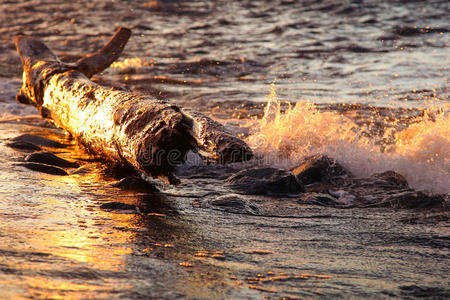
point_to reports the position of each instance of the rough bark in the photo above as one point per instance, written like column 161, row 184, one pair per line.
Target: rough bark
column 152, row 136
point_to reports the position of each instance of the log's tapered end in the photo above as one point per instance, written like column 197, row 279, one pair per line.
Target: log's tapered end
column 31, row 50
column 33, row 53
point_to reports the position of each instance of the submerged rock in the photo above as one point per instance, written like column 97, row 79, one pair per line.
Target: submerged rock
column 38, row 140
column 344, row 197
column 389, row 189
column 50, row 159
column 319, row 168
column 328, row 200
column 213, row 171
column 265, row 181
column 234, row 204
column 81, row 171
column 392, row 177
column 119, row 206
column 428, row 292
column 412, row 199
column 386, row 189
column 135, row 183
column 23, row 146
column 44, row 168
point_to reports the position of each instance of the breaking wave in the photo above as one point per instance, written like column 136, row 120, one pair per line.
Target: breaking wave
column 419, row 151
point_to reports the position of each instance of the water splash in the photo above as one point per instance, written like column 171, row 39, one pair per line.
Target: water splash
column 420, row 152
column 135, row 62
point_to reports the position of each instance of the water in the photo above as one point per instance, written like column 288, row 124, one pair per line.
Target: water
column 368, row 85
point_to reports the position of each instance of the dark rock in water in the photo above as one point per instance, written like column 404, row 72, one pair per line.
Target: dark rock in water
column 234, row 204
column 325, row 200
column 44, row 168
column 428, row 292
column 38, row 140
column 135, row 183
column 411, row 199
column 319, row 168
column 119, row 206
column 50, row 159
column 81, row 171
column 265, row 181
column 387, row 189
column 118, row 171
column 345, row 198
column 214, row 171
column 23, row 146
column 392, row 177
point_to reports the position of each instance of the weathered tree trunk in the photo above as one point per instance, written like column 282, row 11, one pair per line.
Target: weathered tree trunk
column 152, row 136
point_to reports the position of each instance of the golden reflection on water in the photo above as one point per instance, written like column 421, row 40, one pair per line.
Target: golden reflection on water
column 79, row 242
column 63, row 290
column 85, row 242
column 62, row 243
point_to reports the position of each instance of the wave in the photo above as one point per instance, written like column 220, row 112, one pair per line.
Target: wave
column 420, row 151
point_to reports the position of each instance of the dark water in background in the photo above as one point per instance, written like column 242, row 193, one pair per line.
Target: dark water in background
column 221, row 57
column 325, row 51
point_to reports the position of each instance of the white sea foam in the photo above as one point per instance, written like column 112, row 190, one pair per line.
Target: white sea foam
column 421, row 152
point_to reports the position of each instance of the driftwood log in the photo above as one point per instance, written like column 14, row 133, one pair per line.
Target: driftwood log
column 151, row 136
